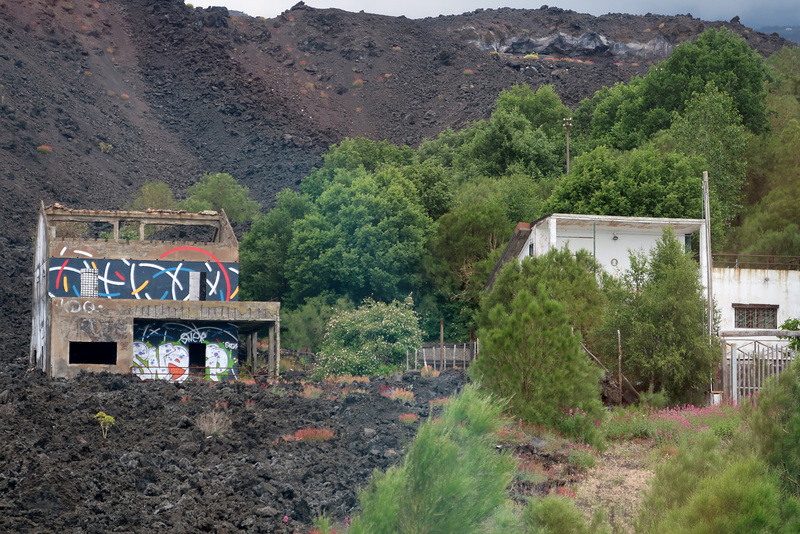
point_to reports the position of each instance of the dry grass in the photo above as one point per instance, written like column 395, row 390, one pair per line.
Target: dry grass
column 616, row 485
column 214, row 423
column 399, row 394
column 409, row 418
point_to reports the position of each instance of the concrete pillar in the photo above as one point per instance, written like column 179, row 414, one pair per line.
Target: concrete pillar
column 551, row 224
column 277, row 347
column 271, row 352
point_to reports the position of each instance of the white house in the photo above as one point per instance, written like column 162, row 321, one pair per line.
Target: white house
column 752, row 298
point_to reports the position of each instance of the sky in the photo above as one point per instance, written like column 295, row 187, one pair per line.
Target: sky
column 755, row 14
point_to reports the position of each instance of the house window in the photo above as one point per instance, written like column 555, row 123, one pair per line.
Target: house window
column 89, row 283
column 756, row 316
column 97, row 353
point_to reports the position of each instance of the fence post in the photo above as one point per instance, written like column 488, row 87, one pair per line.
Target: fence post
column 734, row 377
column 416, row 358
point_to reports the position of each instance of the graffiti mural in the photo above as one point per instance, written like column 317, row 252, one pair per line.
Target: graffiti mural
column 151, row 280
column 162, row 350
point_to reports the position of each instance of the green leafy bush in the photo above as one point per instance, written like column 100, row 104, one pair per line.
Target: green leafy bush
column 153, row 195
column 376, row 334
column 451, row 480
column 221, row 191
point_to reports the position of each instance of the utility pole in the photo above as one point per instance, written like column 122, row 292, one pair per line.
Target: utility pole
column 709, row 265
column 567, row 124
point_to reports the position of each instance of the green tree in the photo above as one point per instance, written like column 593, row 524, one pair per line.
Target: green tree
column 153, row 195
column 265, row 248
column 375, row 335
column 643, row 182
column 305, row 326
column 711, row 127
column 364, row 237
column 568, row 278
column 542, row 108
column 719, row 56
column 659, row 309
column 530, row 356
column 221, row 191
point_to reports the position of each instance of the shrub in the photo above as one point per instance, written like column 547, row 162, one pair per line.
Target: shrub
column 44, row 149
column 221, row 191
column 557, row 514
column 359, row 342
column 706, row 489
column 214, row 423
column 451, row 480
column 153, row 195
column 774, row 421
column 468, row 72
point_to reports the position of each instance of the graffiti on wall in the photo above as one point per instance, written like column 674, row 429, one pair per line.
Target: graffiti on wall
column 162, row 350
column 151, row 280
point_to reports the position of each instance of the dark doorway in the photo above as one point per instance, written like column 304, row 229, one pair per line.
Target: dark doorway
column 89, row 352
column 197, row 359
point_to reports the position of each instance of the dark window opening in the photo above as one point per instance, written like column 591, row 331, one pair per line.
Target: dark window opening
column 203, row 288
column 93, row 352
column 197, row 358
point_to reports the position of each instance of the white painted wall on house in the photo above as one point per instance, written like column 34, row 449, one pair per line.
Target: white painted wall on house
column 755, row 286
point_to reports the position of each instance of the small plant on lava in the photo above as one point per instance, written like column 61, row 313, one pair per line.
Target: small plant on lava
column 214, row 423
column 400, row 394
column 44, row 149
column 106, row 422
column 409, row 418
column 310, row 434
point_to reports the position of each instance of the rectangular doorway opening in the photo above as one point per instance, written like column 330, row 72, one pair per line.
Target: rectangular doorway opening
column 93, row 352
column 197, row 359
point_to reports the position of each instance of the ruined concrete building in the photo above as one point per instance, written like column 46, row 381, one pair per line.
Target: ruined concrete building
column 154, row 294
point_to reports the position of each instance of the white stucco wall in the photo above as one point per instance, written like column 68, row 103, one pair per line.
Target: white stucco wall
column 755, row 286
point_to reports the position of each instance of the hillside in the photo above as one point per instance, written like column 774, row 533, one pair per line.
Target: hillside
column 178, row 91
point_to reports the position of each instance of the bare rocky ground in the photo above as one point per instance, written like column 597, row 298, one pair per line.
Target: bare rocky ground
column 158, row 471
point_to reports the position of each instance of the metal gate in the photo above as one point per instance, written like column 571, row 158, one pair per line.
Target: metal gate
column 746, row 366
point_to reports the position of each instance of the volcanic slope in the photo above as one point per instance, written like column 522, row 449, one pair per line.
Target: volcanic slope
column 125, row 91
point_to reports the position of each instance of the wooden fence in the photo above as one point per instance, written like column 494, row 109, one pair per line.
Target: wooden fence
column 746, row 366
column 451, row 356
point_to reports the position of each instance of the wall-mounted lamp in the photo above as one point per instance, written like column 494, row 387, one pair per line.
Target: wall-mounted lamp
column 616, row 237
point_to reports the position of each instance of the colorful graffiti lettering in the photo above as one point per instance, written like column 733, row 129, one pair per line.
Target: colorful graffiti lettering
column 150, row 280
column 162, row 350
column 165, row 362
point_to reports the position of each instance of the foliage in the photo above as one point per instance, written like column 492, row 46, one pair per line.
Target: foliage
column 106, row 421
column 530, row 356
column 555, row 514
column 265, row 248
column 676, row 425
column 641, row 183
column 470, row 482
column 770, row 226
column 153, row 195
column 718, row 56
column 792, row 323
column 658, row 307
column 542, row 108
column 568, row 278
column 221, row 191
column 711, row 127
column 305, row 325
column 364, row 237
column 704, row 489
column 774, row 421
column 360, row 341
